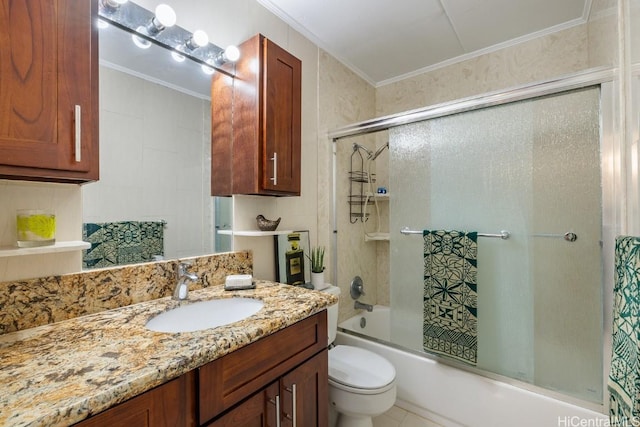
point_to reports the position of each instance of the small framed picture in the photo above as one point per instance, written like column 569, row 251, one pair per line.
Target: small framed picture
column 292, row 264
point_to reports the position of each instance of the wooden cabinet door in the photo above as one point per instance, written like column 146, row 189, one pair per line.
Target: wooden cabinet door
column 282, row 122
column 169, row 405
column 305, row 394
column 48, row 90
column 299, row 399
column 260, row 410
column 256, row 123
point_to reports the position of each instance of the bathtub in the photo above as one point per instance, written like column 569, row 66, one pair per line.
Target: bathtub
column 453, row 397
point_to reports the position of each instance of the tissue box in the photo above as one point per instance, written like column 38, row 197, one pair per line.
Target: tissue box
column 239, row 281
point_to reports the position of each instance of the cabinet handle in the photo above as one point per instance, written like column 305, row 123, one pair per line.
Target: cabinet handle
column 277, row 403
column 78, row 136
column 293, row 416
column 275, row 168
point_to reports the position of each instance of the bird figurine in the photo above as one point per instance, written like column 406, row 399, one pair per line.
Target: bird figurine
column 265, row 224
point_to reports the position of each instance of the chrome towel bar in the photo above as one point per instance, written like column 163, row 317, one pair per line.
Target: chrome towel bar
column 504, row 234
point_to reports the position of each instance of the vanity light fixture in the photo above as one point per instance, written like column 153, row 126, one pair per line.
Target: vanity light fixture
column 165, row 17
column 160, row 28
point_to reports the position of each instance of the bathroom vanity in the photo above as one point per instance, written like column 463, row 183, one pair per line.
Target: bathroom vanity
column 107, row 368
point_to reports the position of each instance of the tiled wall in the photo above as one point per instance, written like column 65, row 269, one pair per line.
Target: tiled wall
column 344, row 99
column 154, row 162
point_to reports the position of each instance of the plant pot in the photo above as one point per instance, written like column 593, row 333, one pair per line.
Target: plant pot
column 317, row 280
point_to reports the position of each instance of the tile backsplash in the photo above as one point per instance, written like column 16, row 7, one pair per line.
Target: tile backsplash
column 29, row 303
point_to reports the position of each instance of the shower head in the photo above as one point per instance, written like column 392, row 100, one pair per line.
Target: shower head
column 379, row 151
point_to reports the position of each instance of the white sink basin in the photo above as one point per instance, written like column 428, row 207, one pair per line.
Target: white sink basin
column 204, row 315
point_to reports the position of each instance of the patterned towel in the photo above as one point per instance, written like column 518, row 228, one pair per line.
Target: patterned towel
column 624, row 375
column 125, row 242
column 450, row 294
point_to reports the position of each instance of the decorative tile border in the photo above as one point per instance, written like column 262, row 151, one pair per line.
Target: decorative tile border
column 28, row 303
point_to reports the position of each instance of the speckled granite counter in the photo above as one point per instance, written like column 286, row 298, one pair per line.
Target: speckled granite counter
column 59, row 374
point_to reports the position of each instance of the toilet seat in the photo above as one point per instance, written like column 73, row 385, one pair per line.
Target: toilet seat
column 361, row 371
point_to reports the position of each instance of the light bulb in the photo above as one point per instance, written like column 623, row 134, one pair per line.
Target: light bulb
column 206, row 69
column 232, row 53
column 200, row 38
column 102, row 24
column 112, row 5
column 165, row 15
column 177, row 57
column 139, row 41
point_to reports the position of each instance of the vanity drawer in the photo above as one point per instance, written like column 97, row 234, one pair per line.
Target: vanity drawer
column 226, row 381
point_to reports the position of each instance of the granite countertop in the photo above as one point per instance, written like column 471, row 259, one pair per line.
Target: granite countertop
column 61, row 373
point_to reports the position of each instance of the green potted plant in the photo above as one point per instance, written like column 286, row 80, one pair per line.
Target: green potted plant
column 317, row 267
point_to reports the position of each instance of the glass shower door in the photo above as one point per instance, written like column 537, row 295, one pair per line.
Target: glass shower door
column 532, row 168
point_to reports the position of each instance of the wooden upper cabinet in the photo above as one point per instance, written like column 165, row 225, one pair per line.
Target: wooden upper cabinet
column 49, row 90
column 259, row 153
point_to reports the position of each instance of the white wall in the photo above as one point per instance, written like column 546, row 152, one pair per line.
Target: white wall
column 65, row 200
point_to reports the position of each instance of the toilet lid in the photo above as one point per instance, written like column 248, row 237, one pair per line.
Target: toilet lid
column 359, row 368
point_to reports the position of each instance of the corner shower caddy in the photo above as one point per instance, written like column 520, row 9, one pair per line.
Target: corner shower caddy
column 357, row 195
column 361, row 193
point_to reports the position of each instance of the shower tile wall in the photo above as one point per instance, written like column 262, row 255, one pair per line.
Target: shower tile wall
column 344, row 98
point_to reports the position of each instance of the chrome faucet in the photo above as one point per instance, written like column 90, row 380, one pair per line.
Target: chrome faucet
column 181, row 291
column 362, row 306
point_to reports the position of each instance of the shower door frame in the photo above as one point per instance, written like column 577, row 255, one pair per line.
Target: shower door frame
column 614, row 186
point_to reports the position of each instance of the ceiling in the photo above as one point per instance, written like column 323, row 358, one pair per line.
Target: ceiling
column 385, row 40
column 380, row 40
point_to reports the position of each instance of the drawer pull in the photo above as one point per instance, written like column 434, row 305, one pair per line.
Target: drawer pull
column 78, row 134
column 277, row 403
column 293, row 416
column 275, row 168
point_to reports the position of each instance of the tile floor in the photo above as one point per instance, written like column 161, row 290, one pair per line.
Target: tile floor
column 397, row 417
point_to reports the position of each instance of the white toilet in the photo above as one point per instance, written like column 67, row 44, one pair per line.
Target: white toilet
column 361, row 383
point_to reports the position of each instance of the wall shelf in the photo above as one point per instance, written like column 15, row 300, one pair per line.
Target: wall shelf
column 253, row 233
column 7, row 251
column 370, row 237
column 379, row 196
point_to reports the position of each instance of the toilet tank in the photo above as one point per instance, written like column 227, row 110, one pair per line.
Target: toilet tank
column 332, row 313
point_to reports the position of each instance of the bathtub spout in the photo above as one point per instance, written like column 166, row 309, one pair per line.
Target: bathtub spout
column 362, row 306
